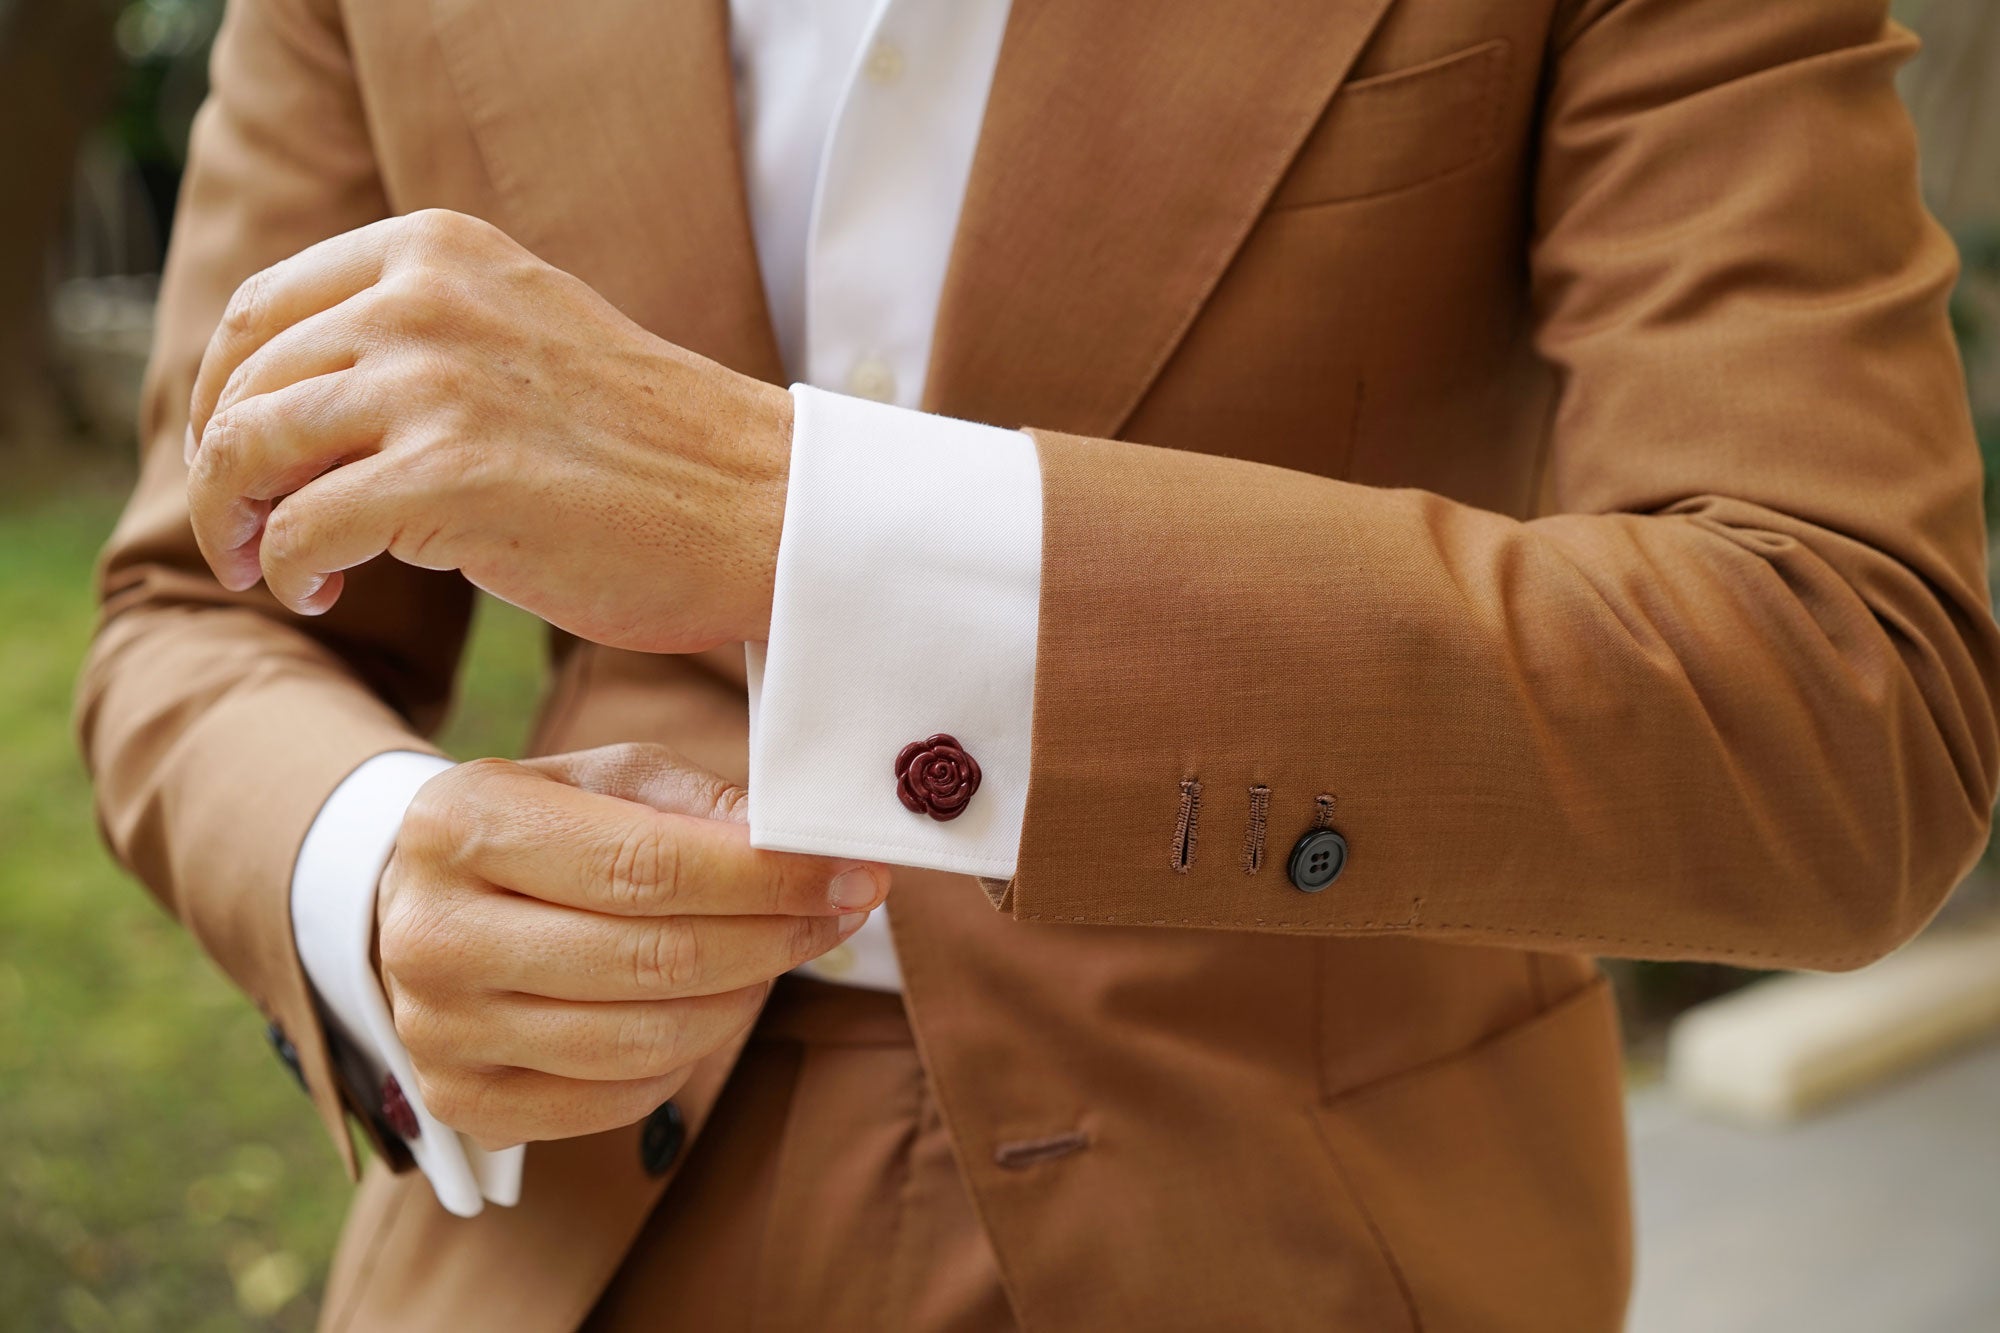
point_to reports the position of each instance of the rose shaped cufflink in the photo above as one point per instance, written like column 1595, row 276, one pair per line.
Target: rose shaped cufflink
column 936, row 777
column 397, row 1111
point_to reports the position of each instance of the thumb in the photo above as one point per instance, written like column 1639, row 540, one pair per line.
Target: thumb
column 651, row 775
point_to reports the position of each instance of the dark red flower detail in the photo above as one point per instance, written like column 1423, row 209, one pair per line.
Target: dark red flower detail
column 936, row 777
column 397, row 1111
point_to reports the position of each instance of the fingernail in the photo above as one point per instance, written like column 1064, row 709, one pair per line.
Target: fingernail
column 851, row 922
column 856, row 888
column 245, row 522
column 240, row 575
column 187, row 445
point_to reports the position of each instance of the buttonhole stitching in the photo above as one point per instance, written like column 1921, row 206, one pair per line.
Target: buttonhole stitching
column 1186, row 825
column 1253, row 837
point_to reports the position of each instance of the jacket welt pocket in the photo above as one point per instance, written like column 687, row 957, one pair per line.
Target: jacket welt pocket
column 1391, row 131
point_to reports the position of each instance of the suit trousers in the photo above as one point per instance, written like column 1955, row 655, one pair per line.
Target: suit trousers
column 821, row 1195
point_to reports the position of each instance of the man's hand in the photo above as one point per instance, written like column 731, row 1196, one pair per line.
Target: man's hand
column 426, row 387
column 561, row 940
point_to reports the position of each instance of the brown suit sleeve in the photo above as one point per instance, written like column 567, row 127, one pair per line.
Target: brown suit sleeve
column 1732, row 698
column 215, row 725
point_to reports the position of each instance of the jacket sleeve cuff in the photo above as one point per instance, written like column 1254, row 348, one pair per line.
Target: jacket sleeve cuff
column 907, row 603
column 333, row 923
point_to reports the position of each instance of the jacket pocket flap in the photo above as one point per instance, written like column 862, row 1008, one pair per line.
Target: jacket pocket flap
column 1391, row 131
column 1495, row 1178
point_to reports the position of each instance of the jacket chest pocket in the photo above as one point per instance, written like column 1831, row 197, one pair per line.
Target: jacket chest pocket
column 1392, row 131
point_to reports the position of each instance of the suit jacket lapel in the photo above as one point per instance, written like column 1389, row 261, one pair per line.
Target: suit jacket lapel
column 610, row 137
column 1127, row 151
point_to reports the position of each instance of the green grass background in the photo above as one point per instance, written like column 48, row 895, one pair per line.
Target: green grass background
column 159, row 1170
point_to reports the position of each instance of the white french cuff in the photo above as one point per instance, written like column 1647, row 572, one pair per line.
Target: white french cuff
column 333, row 923
column 906, row 604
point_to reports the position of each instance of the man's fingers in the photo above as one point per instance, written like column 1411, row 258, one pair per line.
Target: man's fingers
column 606, row 1042
column 533, row 948
column 603, row 854
column 318, row 345
column 499, row 1108
column 264, row 448
column 344, row 518
column 651, row 775
column 315, row 279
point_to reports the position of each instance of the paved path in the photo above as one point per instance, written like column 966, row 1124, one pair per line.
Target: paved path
column 1880, row 1216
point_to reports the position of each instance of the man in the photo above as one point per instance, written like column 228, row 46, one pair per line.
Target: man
column 1497, row 490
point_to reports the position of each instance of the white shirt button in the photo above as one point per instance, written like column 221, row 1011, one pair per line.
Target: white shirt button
column 885, row 63
column 872, row 379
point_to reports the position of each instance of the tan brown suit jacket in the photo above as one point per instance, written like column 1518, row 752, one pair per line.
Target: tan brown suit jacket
column 1561, row 462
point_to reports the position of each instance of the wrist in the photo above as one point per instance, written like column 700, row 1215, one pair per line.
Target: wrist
column 375, row 924
column 767, row 431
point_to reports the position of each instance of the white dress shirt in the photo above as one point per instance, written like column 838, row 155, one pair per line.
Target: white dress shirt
column 859, row 121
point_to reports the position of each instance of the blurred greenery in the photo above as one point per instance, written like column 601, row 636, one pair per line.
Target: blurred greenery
column 164, row 48
column 159, row 1170
column 1977, row 337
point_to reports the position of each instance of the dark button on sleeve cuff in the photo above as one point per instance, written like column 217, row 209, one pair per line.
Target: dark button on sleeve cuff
column 1317, row 860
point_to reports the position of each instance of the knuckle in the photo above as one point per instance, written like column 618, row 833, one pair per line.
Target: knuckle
column 469, row 823
column 469, row 785
column 666, row 958
column 631, row 757
column 731, row 803
column 417, row 1025
column 439, row 226
column 415, row 298
column 792, row 882
column 288, row 540
column 245, row 309
column 483, row 770
column 235, row 389
column 431, row 837
column 211, row 479
column 778, row 881
column 411, row 941
column 425, row 228
column 399, row 944
column 642, row 870
column 222, row 441
column 639, row 1042
column 428, row 811
column 811, row 936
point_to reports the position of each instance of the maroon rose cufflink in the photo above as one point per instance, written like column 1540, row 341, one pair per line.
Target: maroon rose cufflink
column 936, row 777
column 397, row 1112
